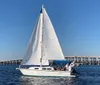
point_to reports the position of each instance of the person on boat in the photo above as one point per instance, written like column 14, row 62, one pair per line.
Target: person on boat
column 56, row 68
column 62, row 68
column 72, row 64
column 71, row 68
column 67, row 67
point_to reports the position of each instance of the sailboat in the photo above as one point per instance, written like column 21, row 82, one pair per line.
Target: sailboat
column 43, row 46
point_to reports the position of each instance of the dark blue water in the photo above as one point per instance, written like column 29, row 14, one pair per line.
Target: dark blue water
column 87, row 75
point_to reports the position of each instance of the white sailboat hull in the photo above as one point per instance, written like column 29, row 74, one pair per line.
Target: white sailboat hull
column 52, row 73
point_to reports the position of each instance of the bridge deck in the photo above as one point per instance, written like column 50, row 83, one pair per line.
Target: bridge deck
column 79, row 60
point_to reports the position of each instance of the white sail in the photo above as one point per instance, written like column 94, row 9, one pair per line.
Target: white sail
column 43, row 43
column 33, row 53
column 52, row 49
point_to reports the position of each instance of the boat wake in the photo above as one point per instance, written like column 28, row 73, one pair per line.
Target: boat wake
column 46, row 81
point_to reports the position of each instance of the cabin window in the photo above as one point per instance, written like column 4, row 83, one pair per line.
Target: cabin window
column 48, row 68
column 36, row 68
column 44, row 68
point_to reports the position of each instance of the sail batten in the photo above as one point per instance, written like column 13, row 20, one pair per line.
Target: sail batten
column 43, row 43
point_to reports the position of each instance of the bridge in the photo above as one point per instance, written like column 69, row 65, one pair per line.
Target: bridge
column 11, row 62
column 84, row 60
column 79, row 60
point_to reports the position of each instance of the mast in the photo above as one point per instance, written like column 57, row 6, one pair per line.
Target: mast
column 42, row 37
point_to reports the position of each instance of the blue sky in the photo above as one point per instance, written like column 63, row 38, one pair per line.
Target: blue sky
column 76, row 22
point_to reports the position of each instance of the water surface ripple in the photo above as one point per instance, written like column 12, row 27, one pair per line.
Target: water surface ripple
column 87, row 75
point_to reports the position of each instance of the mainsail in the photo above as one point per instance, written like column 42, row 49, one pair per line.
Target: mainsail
column 43, row 43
